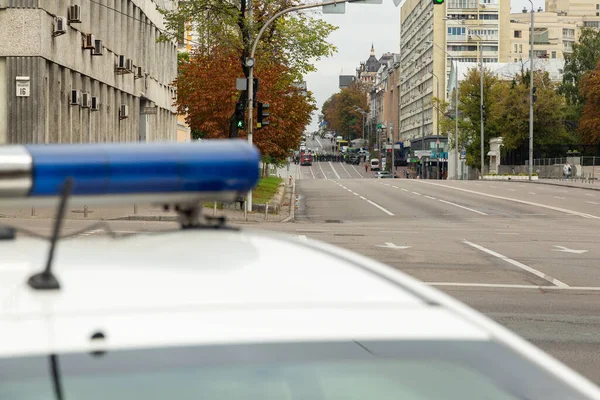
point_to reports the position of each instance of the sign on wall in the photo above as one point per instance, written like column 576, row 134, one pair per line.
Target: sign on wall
column 23, row 87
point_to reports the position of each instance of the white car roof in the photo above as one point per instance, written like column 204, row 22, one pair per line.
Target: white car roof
column 208, row 286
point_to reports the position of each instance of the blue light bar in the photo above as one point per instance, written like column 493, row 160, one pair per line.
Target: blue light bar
column 213, row 169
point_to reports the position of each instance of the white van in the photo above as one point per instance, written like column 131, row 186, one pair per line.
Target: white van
column 374, row 164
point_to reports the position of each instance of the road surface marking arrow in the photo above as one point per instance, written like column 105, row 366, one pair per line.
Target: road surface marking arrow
column 390, row 245
column 567, row 250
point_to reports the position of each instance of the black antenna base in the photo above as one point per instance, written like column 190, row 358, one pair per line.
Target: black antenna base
column 43, row 281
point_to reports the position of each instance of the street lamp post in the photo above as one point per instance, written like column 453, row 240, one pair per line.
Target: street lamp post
column 364, row 114
column 249, row 62
column 481, row 105
column 455, row 106
column 531, row 95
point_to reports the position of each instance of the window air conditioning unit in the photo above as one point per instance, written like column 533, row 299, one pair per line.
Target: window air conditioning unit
column 89, row 41
column 95, row 103
column 98, row 49
column 59, row 26
column 139, row 72
column 74, row 14
column 120, row 67
column 75, row 97
column 86, row 100
column 129, row 65
column 123, row 111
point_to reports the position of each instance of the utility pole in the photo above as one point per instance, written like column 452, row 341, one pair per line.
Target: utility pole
column 482, row 106
column 250, row 90
column 531, row 95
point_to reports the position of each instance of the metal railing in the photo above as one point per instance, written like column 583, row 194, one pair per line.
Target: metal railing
column 585, row 168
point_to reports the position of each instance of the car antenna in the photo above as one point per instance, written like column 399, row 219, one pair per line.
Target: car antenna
column 45, row 280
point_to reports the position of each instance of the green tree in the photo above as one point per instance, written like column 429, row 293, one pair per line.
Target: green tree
column 583, row 59
column 512, row 110
column 469, row 106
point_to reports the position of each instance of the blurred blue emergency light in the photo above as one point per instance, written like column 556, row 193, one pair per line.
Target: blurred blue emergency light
column 219, row 170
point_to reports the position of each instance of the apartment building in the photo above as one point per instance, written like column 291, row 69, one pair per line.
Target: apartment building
column 83, row 72
column 555, row 30
column 466, row 30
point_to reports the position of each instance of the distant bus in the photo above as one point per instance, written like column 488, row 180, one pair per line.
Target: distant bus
column 375, row 164
column 306, row 159
column 342, row 145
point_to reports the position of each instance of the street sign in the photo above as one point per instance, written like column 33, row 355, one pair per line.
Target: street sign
column 149, row 110
column 423, row 153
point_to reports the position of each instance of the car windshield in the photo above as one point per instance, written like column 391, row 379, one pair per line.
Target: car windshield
column 318, row 371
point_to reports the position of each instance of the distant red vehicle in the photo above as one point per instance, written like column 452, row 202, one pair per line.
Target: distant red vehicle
column 306, row 159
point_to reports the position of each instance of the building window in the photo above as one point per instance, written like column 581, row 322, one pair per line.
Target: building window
column 553, row 54
column 520, row 48
column 518, row 34
column 488, row 16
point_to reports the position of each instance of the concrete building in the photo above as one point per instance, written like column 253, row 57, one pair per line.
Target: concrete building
column 466, row 29
column 555, row 30
column 83, row 72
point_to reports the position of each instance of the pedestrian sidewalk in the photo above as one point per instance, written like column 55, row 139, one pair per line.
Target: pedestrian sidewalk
column 144, row 213
column 575, row 183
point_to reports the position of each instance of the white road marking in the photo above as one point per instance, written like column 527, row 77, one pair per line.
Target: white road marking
column 591, row 202
column 463, row 207
column 591, row 195
column 313, row 174
column 395, row 187
column 387, row 184
column 531, row 192
column 362, row 197
column 557, row 197
column 511, row 286
column 323, row 171
column 354, row 193
column 418, row 194
column 334, row 171
column 567, row 250
column 311, row 230
column 349, row 174
column 391, row 245
column 507, row 233
column 302, row 237
column 359, row 174
column 529, row 203
column 518, row 264
column 381, row 208
column 429, row 197
column 404, row 190
column 513, row 190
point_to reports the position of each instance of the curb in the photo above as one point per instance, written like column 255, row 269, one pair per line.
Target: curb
column 558, row 184
column 292, row 216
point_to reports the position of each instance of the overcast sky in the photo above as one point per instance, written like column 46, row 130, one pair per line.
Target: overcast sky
column 361, row 25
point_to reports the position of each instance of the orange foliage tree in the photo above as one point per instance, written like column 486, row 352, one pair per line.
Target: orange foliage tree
column 589, row 124
column 206, row 93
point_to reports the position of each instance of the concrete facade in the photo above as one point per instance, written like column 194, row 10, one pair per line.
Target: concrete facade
column 556, row 29
column 54, row 65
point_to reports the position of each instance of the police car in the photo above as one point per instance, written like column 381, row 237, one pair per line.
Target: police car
column 209, row 311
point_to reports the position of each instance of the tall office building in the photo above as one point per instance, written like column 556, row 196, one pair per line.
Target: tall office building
column 459, row 27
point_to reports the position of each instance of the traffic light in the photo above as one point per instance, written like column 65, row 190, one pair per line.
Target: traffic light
column 438, row 1
column 239, row 115
column 262, row 115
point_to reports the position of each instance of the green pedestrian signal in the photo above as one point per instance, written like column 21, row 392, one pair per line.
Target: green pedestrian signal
column 438, row 1
column 239, row 115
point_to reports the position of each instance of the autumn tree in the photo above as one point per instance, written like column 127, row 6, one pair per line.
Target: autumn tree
column 589, row 125
column 294, row 41
column 340, row 110
column 206, row 96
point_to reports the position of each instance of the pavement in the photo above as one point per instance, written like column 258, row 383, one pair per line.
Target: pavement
column 526, row 255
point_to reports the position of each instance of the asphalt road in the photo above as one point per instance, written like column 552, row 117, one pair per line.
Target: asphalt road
column 526, row 255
